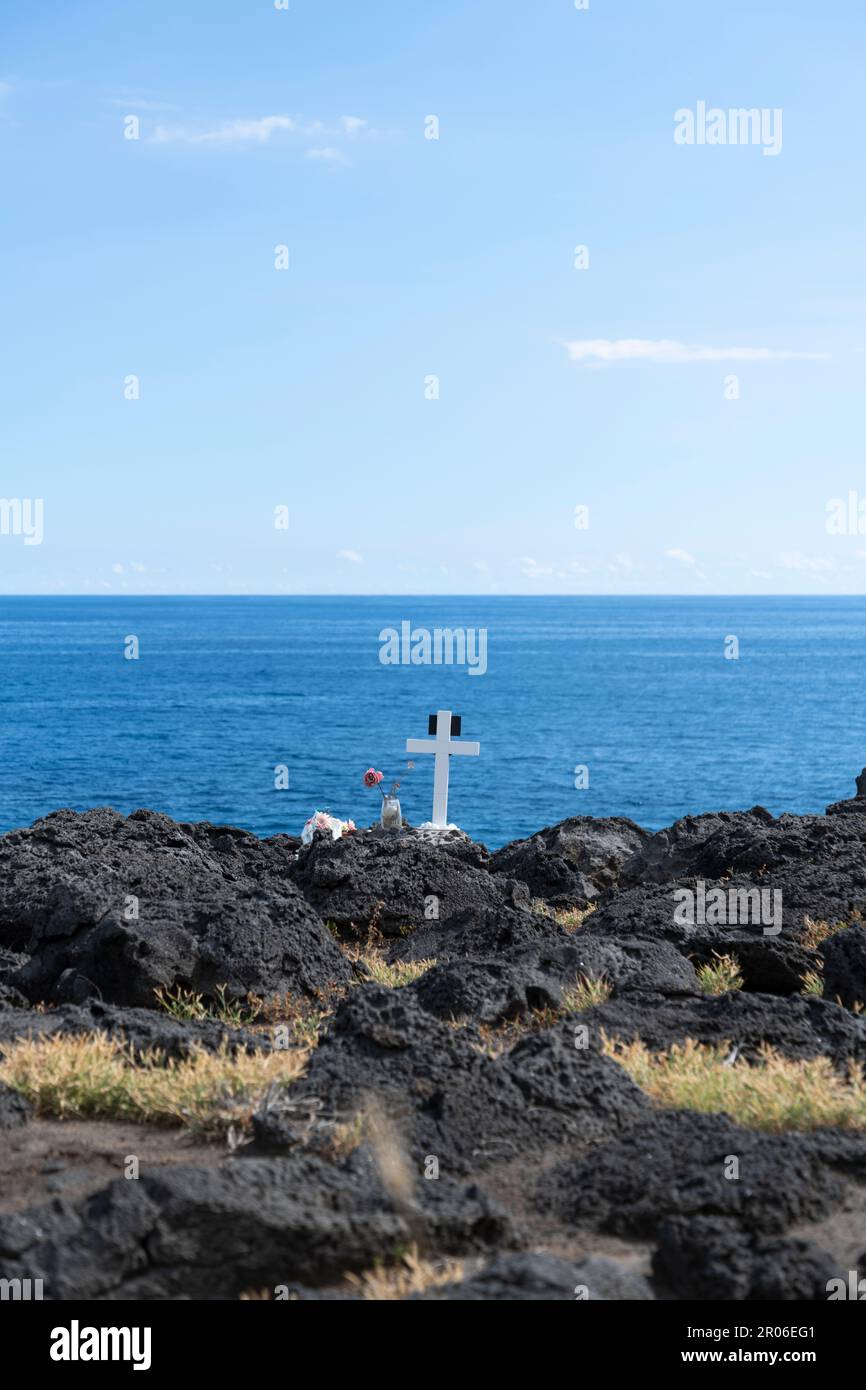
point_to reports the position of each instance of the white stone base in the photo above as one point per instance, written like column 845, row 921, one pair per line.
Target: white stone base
column 440, row 832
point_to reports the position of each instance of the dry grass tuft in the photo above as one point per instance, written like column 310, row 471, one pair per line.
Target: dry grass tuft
column 92, row 1076
column 774, row 1094
column 495, row 1041
column 411, row 1275
column 720, row 976
column 585, row 993
column 345, row 1138
column 402, row 972
column 301, row 1018
column 191, row 1007
column 812, row 983
column 815, row 933
column 572, row 918
column 569, row 918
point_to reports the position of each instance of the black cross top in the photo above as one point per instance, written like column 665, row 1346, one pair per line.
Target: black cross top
column 456, row 721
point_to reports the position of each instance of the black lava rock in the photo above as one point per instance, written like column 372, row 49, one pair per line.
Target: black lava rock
column 397, row 882
column 844, row 956
column 114, row 907
column 709, row 1258
column 799, row 1026
column 678, row 1163
column 142, row 1030
column 453, row 1103
column 204, row 1233
column 15, row 1111
column 570, row 864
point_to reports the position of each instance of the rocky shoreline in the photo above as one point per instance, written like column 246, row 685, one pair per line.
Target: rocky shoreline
column 460, row 1114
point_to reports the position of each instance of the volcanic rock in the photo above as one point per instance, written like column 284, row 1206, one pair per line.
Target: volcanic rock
column 844, row 956
column 855, row 805
column 710, row 1258
column 97, row 910
column 114, row 907
column 395, row 882
column 818, row 862
column 479, row 934
column 675, row 1163
column 527, row 1277
column 487, row 992
column 714, row 845
column 14, row 1109
column 524, row 980
column 550, row 958
column 798, row 1027
column 448, row 1101
column 205, row 1233
column 142, row 1030
column 774, row 964
column 10, row 963
column 571, row 863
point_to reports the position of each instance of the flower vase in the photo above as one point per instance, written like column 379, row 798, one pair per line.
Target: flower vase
column 392, row 816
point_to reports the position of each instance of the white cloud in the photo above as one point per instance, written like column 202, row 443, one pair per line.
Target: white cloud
column 229, row 132
column 682, row 555
column 261, row 130
column 794, row 560
column 351, row 555
column 117, row 569
column 530, row 569
column 668, row 350
column 328, row 153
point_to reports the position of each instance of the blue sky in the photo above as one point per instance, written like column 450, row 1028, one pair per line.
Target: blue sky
column 411, row 257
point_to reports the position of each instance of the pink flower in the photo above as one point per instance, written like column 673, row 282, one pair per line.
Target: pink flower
column 372, row 778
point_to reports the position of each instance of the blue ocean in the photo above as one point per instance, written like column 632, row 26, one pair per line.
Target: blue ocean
column 638, row 692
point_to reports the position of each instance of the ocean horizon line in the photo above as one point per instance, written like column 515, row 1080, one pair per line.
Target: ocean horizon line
column 529, row 598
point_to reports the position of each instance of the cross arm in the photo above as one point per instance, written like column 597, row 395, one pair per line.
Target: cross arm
column 420, row 745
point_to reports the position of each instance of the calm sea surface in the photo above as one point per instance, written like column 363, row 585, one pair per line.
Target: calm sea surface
column 226, row 689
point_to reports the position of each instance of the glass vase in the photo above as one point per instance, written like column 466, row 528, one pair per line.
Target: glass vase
column 392, row 816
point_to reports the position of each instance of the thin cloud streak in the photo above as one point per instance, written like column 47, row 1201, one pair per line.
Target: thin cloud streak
column 259, row 131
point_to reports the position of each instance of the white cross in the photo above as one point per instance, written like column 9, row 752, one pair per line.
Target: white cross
column 444, row 748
